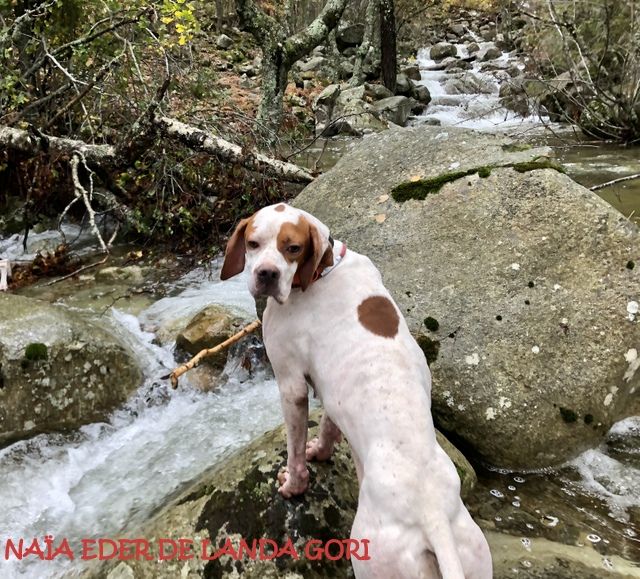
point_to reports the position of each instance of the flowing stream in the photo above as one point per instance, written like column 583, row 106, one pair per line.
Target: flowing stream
column 109, row 477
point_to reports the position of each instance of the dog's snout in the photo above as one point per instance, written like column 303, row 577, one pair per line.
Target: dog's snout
column 268, row 275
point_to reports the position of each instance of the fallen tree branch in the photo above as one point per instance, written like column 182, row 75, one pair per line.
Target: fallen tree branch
column 103, row 156
column 87, row 196
column 28, row 143
column 180, row 370
column 79, row 270
column 615, row 182
column 202, row 141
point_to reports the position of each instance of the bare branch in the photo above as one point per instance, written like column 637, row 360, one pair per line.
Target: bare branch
column 255, row 20
column 302, row 43
column 615, row 182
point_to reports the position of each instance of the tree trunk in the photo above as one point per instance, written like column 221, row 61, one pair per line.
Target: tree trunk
column 219, row 16
column 368, row 43
column 280, row 51
column 388, row 58
column 275, row 74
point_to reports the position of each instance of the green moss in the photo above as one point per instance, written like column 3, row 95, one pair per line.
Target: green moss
column 568, row 415
column 36, row 351
column 429, row 347
column 516, row 147
column 423, row 187
column 537, row 164
column 431, row 324
column 630, row 264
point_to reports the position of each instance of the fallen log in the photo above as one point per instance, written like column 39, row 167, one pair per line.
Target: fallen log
column 33, row 142
column 199, row 140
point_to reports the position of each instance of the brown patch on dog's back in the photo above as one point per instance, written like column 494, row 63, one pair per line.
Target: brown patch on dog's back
column 378, row 315
column 280, row 208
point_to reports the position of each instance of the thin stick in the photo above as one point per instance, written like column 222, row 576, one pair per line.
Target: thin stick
column 77, row 271
column 615, row 181
column 180, row 370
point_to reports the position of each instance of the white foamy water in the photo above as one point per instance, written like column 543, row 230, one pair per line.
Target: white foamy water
column 109, row 477
column 12, row 247
column 612, row 478
column 480, row 111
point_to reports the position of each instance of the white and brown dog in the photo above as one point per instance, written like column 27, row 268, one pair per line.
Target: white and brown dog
column 330, row 323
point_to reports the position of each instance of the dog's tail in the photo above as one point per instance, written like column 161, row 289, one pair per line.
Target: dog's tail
column 444, row 548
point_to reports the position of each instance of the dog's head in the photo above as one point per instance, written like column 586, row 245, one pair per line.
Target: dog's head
column 283, row 247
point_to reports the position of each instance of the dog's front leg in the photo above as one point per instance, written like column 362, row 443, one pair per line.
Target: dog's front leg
column 294, row 479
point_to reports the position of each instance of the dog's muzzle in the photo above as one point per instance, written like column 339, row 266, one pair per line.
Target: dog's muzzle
column 266, row 282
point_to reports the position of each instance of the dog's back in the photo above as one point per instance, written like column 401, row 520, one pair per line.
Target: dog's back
column 354, row 345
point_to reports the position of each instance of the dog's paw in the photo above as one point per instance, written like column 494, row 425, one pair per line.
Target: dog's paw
column 317, row 452
column 291, row 486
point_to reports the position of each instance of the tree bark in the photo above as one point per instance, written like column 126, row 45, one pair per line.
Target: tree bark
column 388, row 54
column 367, row 48
column 280, row 52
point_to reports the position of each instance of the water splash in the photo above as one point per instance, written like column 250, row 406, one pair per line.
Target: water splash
column 108, row 477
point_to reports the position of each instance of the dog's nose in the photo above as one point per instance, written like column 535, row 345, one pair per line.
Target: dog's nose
column 268, row 275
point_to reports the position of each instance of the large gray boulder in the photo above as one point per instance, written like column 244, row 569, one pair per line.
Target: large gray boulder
column 239, row 498
column 524, row 280
column 57, row 371
column 442, row 50
column 467, row 83
column 353, row 115
column 349, row 36
column 396, row 109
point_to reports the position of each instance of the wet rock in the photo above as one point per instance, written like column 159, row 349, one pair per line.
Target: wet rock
column 404, row 85
column 489, row 53
column 345, row 70
column 314, row 64
column 513, row 96
column 421, row 94
column 57, row 371
column 543, row 559
column 487, row 33
column 239, row 498
column 458, row 64
column 458, row 29
column 524, row 271
column 473, row 47
column 467, row 83
column 395, row 109
column 210, row 327
column 376, row 92
column 349, row 36
column 224, row 42
column 132, row 274
column 352, row 115
column 442, row 50
column 412, row 72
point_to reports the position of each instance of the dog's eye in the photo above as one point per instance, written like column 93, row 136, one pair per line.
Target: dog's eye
column 294, row 249
column 253, row 244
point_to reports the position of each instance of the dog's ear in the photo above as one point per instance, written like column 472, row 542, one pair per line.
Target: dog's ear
column 319, row 253
column 234, row 254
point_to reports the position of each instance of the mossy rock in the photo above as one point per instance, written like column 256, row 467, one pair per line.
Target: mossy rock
column 239, row 498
